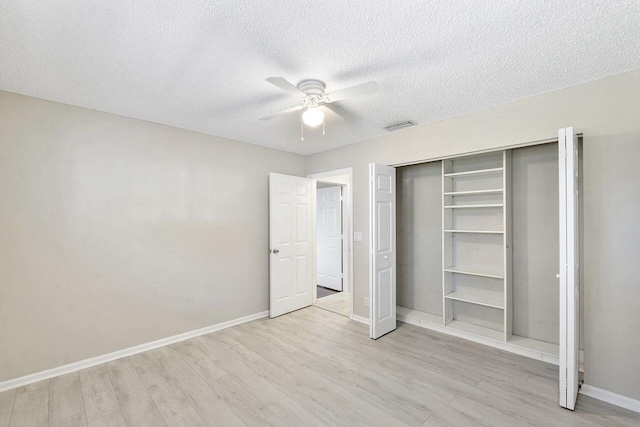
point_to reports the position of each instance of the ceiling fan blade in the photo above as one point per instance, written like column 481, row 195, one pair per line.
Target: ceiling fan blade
column 282, row 113
column 330, row 115
column 353, row 91
column 286, row 86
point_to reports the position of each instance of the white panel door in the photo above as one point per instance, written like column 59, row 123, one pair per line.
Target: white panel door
column 329, row 237
column 291, row 237
column 382, row 220
column 569, row 268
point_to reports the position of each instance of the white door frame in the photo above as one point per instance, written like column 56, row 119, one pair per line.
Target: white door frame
column 333, row 278
column 337, row 177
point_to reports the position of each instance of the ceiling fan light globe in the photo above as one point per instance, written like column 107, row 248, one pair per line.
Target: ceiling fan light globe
column 313, row 117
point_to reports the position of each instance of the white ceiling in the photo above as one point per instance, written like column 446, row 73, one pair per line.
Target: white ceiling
column 201, row 65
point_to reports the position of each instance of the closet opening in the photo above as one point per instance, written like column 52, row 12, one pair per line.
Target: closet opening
column 477, row 242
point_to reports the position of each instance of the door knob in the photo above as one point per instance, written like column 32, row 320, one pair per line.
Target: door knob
column 558, row 276
column 276, row 251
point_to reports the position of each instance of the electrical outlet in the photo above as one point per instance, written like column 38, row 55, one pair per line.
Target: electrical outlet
column 357, row 236
column 366, row 301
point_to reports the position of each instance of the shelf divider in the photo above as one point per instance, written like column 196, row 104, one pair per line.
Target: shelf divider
column 492, row 171
column 492, row 205
column 494, row 301
column 475, row 231
column 475, row 272
column 474, row 192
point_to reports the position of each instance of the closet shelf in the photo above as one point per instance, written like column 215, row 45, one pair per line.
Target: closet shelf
column 493, row 171
column 477, row 330
column 494, row 205
column 488, row 300
column 474, row 272
column 474, row 192
column 475, row 231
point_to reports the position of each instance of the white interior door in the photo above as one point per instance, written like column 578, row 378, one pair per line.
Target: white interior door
column 291, row 237
column 569, row 268
column 329, row 237
column 382, row 220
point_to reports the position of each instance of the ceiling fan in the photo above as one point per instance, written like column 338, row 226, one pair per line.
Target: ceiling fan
column 311, row 94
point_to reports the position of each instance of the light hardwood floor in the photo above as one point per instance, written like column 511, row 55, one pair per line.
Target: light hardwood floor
column 309, row 368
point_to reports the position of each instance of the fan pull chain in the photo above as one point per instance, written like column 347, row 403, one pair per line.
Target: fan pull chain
column 301, row 129
column 323, row 128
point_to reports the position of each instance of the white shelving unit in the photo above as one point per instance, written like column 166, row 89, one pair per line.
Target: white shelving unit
column 476, row 219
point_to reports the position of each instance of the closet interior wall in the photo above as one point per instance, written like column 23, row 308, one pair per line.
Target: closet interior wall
column 535, row 242
column 418, row 234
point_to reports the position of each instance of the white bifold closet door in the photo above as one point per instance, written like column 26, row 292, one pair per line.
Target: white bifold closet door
column 382, row 234
column 569, row 274
column 291, row 239
column 329, row 237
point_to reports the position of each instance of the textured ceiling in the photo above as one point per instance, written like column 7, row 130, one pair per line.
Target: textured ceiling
column 201, row 65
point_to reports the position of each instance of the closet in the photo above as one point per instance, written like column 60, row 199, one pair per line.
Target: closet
column 477, row 240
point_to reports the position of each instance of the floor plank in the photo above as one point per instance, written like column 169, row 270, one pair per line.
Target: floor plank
column 295, row 415
column 114, row 419
column 65, row 397
column 31, row 406
column 249, row 408
column 136, row 403
column 98, row 393
column 77, row 420
column 169, row 399
column 6, row 406
column 210, row 406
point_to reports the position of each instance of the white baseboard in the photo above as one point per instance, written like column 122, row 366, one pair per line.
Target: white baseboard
column 98, row 360
column 610, row 397
column 360, row 319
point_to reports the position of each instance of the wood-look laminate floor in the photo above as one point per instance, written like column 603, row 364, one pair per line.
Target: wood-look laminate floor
column 309, row 368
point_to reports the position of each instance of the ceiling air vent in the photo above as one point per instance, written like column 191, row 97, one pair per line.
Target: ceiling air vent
column 399, row 125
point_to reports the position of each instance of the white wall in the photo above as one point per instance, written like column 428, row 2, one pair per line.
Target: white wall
column 606, row 111
column 116, row 232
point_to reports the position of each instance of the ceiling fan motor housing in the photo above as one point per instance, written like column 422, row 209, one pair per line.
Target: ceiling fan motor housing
column 313, row 88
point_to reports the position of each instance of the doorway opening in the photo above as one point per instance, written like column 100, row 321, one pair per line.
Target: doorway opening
column 332, row 248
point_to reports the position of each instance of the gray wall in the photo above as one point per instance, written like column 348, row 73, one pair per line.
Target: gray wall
column 116, row 232
column 606, row 111
column 535, row 242
column 611, row 250
column 419, row 233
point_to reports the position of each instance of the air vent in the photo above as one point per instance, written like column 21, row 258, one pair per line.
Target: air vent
column 399, row 125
